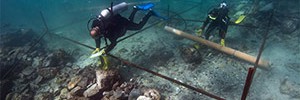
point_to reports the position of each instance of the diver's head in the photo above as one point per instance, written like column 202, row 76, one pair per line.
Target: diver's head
column 95, row 32
column 223, row 4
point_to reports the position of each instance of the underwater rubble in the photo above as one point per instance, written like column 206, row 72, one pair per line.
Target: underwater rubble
column 44, row 74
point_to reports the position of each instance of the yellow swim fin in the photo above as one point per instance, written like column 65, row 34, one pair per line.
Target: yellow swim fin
column 240, row 19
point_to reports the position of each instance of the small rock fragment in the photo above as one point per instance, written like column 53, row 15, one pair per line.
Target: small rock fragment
column 28, row 71
column 153, row 94
column 74, row 82
column 143, row 98
column 63, row 93
column 75, row 91
column 91, row 91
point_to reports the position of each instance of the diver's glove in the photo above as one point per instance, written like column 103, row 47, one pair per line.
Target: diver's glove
column 199, row 32
column 97, row 53
column 222, row 42
column 96, row 50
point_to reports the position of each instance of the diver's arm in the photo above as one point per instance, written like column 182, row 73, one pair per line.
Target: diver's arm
column 97, row 46
column 98, row 42
column 205, row 23
column 207, row 18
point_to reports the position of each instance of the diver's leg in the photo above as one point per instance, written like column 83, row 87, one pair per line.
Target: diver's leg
column 113, row 43
column 222, row 34
column 134, row 26
column 210, row 28
column 223, row 31
column 131, row 17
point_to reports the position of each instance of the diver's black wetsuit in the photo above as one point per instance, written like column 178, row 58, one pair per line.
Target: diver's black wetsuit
column 117, row 26
column 218, row 18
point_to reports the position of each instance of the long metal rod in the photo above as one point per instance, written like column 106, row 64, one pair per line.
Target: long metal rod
column 44, row 21
column 248, row 82
column 250, row 78
column 261, row 49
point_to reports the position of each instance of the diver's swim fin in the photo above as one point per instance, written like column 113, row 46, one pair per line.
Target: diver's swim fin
column 145, row 7
column 240, row 19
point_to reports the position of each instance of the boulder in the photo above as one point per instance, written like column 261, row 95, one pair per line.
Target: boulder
column 191, row 55
column 104, row 82
column 106, row 79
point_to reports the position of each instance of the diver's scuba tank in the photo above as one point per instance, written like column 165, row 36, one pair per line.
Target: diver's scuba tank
column 107, row 13
column 116, row 9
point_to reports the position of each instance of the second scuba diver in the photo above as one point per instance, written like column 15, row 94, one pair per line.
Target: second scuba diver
column 218, row 18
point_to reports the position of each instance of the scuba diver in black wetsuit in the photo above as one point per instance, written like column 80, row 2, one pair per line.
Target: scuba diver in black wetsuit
column 111, row 25
column 218, row 18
